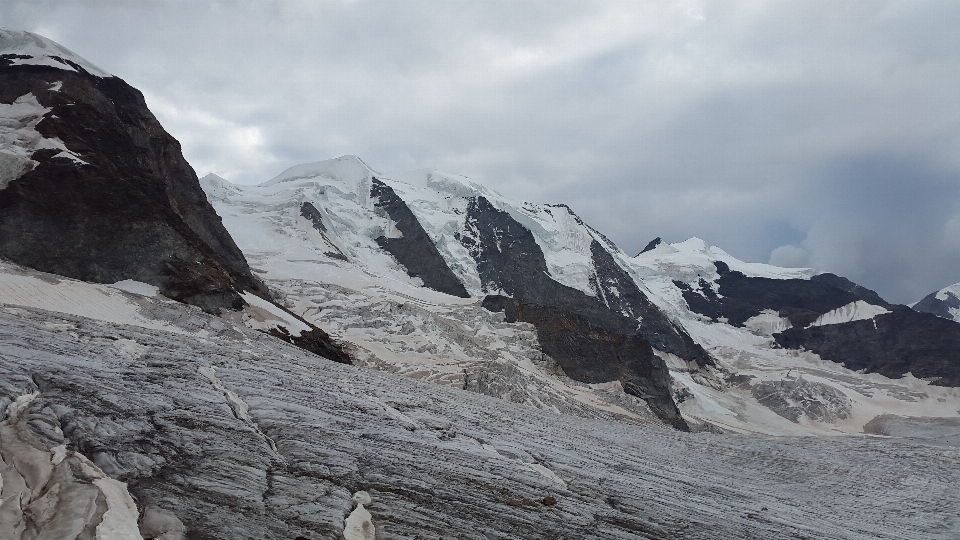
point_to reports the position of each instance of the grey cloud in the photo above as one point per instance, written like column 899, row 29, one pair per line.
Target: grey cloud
column 800, row 132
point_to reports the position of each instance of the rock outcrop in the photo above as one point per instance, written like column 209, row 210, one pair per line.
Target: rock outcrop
column 944, row 303
column 594, row 339
column 95, row 189
column 413, row 249
column 837, row 319
column 892, row 344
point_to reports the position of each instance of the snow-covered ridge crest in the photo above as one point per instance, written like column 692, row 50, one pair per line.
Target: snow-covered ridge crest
column 341, row 189
column 348, row 169
column 439, row 200
column 27, row 48
column 693, row 258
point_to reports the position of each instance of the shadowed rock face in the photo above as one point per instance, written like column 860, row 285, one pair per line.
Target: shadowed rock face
column 800, row 300
column 594, row 339
column 135, row 210
column 940, row 308
column 509, row 259
column 414, row 250
column 891, row 344
column 314, row 340
column 309, row 211
column 619, row 292
column 651, row 245
column 589, row 353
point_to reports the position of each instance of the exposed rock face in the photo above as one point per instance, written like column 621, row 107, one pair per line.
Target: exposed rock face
column 844, row 284
column 800, row 300
column 944, row 303
column 414, row 249
column 309, row 211
column 651, row 245
column 892, row 344
column 619, row 292
column 595, row 337
column 589, row 353
column 509, row 260
column 117, row 201
column 314, row 340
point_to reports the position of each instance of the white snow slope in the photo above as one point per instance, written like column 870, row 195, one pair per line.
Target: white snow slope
column 393, row 323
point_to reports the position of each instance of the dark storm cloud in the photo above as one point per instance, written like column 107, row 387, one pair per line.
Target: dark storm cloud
column 798, row 132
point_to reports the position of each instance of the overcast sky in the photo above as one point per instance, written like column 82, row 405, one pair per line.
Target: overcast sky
column 801, row 133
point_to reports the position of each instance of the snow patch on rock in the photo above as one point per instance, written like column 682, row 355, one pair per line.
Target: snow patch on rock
column 768, row 323
column 854, row 311
column 19, row 138
column 23, row 287
column 263, row 315
column 136, row 287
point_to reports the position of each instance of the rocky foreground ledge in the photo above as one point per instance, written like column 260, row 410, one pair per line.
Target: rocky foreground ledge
column 221, row 432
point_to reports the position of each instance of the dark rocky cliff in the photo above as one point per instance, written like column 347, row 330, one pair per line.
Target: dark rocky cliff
column 892, row 344
column 414, row 250
column 739, row 297
column 590, row 353
column 940, row 308
column 134, row 210
column 594, row 339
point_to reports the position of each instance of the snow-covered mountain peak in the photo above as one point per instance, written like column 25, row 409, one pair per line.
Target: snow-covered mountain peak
column 694, row 258
column 448, row 185
column 946, row 293
column 27, row 48
column 217, row 187
column 943, row 303
column 349, row 173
